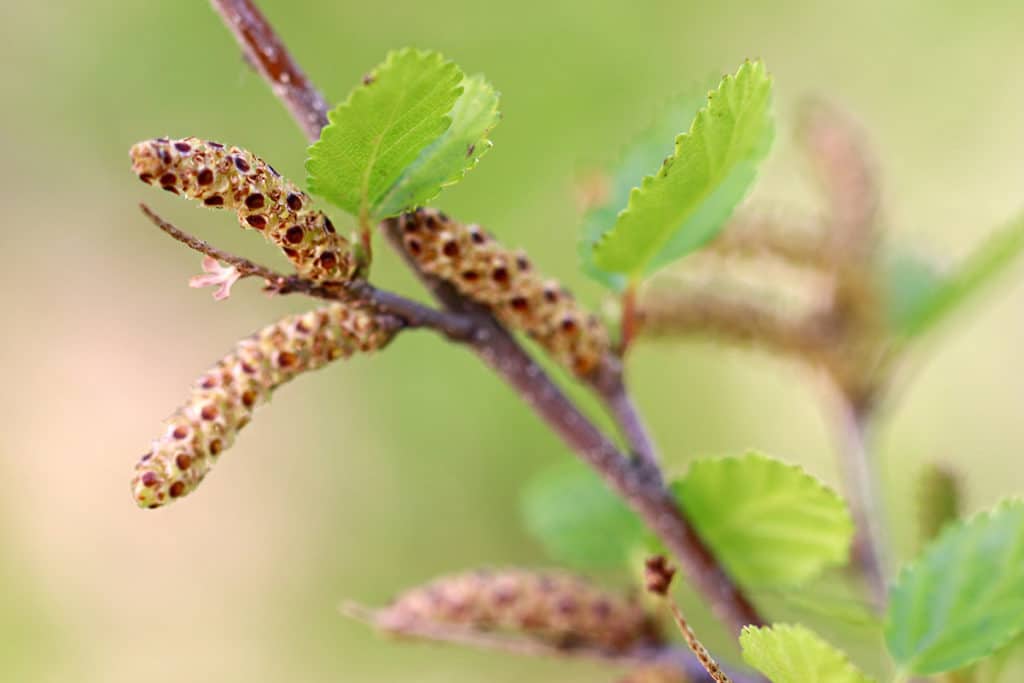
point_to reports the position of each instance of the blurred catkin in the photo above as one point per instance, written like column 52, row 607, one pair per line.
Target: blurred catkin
column 841, row 161
column 222, row 401
column 505, row 281
column 551, row 606
column 230, row 177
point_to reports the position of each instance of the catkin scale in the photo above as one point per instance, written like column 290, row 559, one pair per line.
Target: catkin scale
column 223, row 399
column 505, row 281
column 555, row 607
column 233, row 178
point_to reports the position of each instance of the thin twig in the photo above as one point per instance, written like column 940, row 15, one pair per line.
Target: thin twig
column 438, row 632
column 411, row 313
column 637, row 481
column 244, row 266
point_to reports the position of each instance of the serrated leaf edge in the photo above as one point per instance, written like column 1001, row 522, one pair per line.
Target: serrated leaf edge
column 850, row 665
column 950, row 529
column 362, row 91
column 647, row 180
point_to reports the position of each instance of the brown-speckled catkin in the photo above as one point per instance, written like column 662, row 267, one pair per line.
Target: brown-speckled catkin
column 222, row 401
column 552, row 606
column 230, row 177
column 504, row 280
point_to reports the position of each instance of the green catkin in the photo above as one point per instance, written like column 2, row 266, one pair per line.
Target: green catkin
column 233, row 178
column 505, row 281
column 551, row 606
column 222, row 401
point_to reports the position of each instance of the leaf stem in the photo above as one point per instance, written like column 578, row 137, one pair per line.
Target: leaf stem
column 629, row 321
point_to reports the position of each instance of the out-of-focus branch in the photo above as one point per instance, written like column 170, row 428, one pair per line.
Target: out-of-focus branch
column 268, row 55
column 860, row 481
column 638, row 481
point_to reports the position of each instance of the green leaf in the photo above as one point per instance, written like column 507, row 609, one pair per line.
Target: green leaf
column 686, row 203
column 909, row 281
column 578, row 520
column 646, row 152
column 382, row 128
column 452, row 155
column 769, row 523
column 964, row 596
column 794, row 654
column 935, row 297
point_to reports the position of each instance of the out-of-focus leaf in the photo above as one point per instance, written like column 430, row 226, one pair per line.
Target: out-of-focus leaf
column 688, row 200
column 794, row 654
column 919, row 301
column 768, row 522
column 909, row 282
column 645, row 153
column 579, row 520
column 963, row 598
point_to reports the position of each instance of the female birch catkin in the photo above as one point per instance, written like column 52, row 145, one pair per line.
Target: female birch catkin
column 231, row 177
column 222, row 401
column 505, row 281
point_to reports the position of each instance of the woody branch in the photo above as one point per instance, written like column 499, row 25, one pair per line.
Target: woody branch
column 637, row 480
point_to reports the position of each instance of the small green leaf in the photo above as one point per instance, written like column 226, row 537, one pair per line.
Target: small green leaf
column 452, row 155
column 769, row 523
column 646, row 152
column 794, row 654
column 935, row 297
column 964, row 596
column 382, row 128
column 686, row 203
column 578, row 520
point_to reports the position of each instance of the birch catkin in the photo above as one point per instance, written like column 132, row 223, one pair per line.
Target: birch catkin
column 222, row 401
column 505, row 281
column 230, row 177
column 554, row 607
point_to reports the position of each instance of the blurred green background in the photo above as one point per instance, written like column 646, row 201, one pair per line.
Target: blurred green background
column 375, row 474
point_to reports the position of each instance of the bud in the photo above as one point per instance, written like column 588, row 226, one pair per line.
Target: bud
column 230, row 177
column 505, row 281
column 939, row 499
column 555, row 607
column 222, row 401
